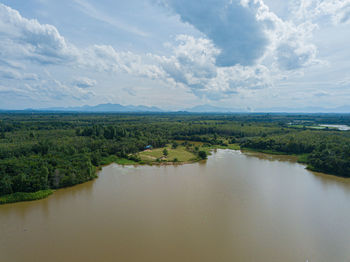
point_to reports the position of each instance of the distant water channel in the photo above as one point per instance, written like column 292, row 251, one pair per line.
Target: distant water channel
column 339, row 127
column 233, row 207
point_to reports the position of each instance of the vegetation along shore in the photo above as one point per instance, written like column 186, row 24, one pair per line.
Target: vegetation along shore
column 41, row 152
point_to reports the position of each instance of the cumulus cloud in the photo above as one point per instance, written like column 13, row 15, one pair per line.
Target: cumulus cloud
column 247, row 33
column 27, row 38
column 193, row 64
column 232, row 27
column 337, row 11
column 289, row 41
column 106, row 58
column 24, row 41
column 243, row 44
column 196, row 62
column 292, row 55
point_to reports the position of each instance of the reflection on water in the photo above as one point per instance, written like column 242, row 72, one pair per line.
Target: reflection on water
column 233, row 207
column 270, row 157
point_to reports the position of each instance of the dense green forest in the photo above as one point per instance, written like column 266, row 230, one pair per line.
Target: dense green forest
column 43, row 151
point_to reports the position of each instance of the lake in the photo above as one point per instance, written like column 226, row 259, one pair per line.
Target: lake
column 233, row 207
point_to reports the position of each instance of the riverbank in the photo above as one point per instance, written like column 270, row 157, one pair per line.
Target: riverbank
column 175, row 156
column 22, row 196
column 300, row 158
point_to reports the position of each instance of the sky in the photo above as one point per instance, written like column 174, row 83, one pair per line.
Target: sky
column 175, row 54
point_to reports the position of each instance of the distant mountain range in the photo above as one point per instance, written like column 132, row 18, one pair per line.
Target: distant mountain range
column 130, row 108
column 196, row 109
column 104, row 108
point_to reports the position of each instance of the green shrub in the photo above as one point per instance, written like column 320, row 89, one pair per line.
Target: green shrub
column 21, row 196
column 202, row 154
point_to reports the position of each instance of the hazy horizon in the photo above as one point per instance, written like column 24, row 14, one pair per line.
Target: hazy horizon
column 109, row 107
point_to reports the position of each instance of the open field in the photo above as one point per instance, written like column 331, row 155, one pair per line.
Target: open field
column 180, row 153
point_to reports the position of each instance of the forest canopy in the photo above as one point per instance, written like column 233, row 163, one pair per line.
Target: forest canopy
column 42, row 151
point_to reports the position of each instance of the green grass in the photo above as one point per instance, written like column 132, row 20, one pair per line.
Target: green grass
column 318, row 127
column 124, row 161
column 230, row 146
column 114, row 159
column 109, row 160
column 303, row 158
column 180, row 153
column 21, row 196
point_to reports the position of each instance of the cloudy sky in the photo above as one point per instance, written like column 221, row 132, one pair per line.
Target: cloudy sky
column 175, row 54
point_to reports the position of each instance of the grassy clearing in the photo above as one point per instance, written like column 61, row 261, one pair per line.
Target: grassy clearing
column 20, row 196
column 180, row 153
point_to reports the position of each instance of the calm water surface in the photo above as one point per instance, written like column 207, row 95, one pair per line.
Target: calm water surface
column 234, row 207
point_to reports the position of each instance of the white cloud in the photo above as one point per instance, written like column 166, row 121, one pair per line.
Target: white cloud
column 105, row 58
column 84, row 82
column 244, row 46
column 337, row 11
column 12, row 74
column 27, row 41
column 289, row 41
column 321, row 93
column 25, row 38
column 46, row 91
column 232, row 28
column 279, row 49
column 193, row 64
column 52, row 89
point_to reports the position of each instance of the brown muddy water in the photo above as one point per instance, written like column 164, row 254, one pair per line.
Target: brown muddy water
column 234, row 207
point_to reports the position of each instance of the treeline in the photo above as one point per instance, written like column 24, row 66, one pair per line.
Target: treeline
column 327, row 151
column 48, row 151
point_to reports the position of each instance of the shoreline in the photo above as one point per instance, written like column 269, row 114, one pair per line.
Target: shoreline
column 42, row 194
column 25, row 196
